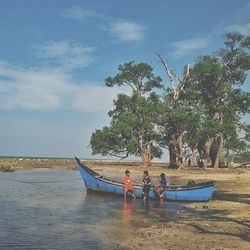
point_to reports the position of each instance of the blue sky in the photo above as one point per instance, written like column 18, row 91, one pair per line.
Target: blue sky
column 55, row 55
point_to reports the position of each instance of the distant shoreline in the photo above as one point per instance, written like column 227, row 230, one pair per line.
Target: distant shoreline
column 73, row 158
column 10, row 164
column 46, row 158
column 14, row 163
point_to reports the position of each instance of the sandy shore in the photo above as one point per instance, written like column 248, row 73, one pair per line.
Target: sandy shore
column 225, row 223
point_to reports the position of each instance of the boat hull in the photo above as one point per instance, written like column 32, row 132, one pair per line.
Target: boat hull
column 95, row 182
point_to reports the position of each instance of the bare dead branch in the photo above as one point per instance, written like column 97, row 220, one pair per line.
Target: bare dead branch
column 170, row 75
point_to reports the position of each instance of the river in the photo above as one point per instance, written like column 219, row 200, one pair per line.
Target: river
column 50, row 209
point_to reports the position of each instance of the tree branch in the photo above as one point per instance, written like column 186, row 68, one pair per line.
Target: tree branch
column 130, row 85
column 167, row 70
column 117, row 155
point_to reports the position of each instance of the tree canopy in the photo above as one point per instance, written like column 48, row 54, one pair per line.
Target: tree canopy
column 131, row 131
column 197, row 117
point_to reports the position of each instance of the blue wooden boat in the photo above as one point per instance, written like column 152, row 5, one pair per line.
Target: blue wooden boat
column 96, row 182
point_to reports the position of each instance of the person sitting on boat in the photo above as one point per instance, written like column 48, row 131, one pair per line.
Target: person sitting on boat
column 146, row 185
column 128, row 187
column 159, row 189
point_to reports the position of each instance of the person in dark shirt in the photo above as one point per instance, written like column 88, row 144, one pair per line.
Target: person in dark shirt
column 146, row 185
column 159, row 189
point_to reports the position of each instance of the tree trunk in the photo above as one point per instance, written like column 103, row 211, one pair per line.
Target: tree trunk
column 214, row 150
column 172, row 155
column 146, row 156
column 194, row 158
column 220, row 146
column 176, row 151
column 207, row 148
column 180, row 151
column 216, row 160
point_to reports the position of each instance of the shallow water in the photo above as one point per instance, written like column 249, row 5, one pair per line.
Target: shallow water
column 52, row 210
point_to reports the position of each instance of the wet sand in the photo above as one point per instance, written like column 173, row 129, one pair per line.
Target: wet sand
column 225, row 223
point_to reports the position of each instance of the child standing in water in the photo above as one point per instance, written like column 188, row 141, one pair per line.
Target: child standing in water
column 146, row 185
column 128, row 187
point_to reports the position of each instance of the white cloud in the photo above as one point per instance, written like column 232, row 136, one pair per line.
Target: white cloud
column 244, row 29
column 128, row 31
column 81, row 14
column 94, row 98
column 240, row 23
column 65, row 54
column 43, row 90
column 185, row 47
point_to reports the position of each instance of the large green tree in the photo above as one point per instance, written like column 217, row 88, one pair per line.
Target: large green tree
column 176, row 120
column 132, row 130
column 215, row 87
column 176, row 123
column 203, row 111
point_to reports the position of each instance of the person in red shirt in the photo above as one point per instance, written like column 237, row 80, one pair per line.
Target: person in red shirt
column 128, row 187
